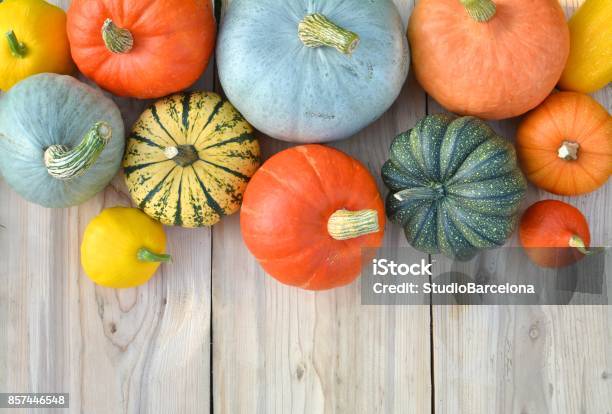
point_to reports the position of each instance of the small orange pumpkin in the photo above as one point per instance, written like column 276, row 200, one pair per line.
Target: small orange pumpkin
column 554, row 233
column 493, row 59
column 565, row 145
column 307, row 214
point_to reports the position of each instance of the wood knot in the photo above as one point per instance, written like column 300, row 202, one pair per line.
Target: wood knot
column 534, row 332
column 299, row 372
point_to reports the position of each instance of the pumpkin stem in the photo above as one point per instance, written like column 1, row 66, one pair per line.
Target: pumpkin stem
column 65, row 164
column 183, row 155
column 345, row 224
column 146, row 255
column 116, row 39
column 18, row 49
column 316, row 30
column 577, row 243
column 569, row 150
column 434, row 192
column 479, row 10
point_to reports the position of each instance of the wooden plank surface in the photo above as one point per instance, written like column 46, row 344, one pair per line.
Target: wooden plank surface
column 276, row 349
column 528, row 359
column 281, row 350
column 116, row 351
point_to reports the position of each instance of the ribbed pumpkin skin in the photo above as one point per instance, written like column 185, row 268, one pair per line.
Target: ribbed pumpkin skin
column 286, row 211
column 493, row 70
column 201, row 193
column 469, row 184
column 566, row 116
column 49, row 109
column 173, row 41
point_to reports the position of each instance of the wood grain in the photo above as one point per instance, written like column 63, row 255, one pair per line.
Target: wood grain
column 527, row 359
column 281, row 350
column 129, row 351
column 276, row 349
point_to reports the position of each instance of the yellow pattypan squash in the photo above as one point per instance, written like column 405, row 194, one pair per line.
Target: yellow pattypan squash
column 123, row 247
column 589, row 66
column 33, row 40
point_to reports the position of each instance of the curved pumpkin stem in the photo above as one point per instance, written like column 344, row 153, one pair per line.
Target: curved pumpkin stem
column 316, row 30
column 433, row 192
column 345, row 224
column 479, row 10
column 577, row 243
column 146, row 255
column 18, row 49
column 65, row 164
column 116, row 39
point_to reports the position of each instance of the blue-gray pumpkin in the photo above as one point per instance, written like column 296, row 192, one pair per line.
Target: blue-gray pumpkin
column 61, row 141
column 312, row 71
column 455, row 186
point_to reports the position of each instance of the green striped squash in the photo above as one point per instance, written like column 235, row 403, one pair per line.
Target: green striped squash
column 189, row 159
column 455, row 186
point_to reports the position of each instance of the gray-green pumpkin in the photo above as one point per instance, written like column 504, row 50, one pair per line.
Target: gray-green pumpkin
column 455, row 186
column 61, row 141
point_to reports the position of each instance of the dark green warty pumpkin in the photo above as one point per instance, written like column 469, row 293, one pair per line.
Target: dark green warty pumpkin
column 455, row 186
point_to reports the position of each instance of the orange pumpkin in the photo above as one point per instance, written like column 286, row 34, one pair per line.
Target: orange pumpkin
column 308, row 212
column 493, row 59
column 141, row 48
column 554, row 233
column 565, row 145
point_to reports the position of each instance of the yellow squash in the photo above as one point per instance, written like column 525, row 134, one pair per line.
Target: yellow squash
column 589, row 66
column 32, row 40
column 189, row 158
column 122, row 248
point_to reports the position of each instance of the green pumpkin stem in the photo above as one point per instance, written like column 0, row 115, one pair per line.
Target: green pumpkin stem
column 480, row 10
column 182, row 155
column 116, row 39
column 434, row 192
column 316, row 30
column 18, row 49
column 65, row 163
column 345, row 224
column 146, row 255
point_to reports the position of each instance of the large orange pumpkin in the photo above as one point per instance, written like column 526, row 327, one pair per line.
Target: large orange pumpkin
column 141, row 48
column 565, row 145
column 493, row 59
column 308, row 212
column 554, row 233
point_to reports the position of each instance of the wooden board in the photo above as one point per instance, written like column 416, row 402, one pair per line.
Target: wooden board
column 213, row 332
column 281, row 350
column 134, row 350
column 528, row 359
